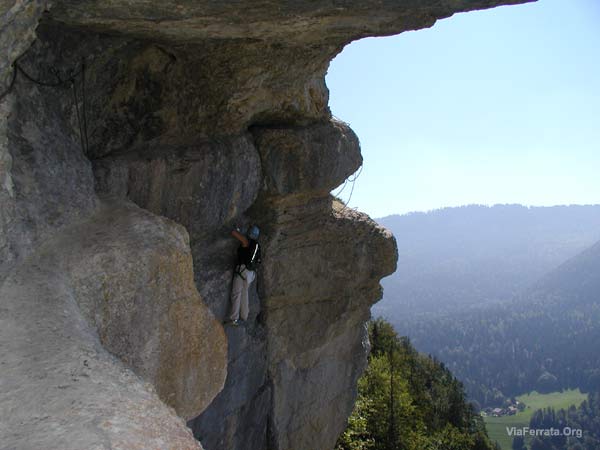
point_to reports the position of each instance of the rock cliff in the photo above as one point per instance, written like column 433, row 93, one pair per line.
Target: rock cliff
column 133, row 136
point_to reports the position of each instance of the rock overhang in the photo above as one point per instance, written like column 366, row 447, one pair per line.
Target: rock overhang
column 255, row 62
column 296, row 22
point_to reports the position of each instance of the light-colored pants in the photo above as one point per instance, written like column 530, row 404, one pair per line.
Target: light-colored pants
column 242, row 279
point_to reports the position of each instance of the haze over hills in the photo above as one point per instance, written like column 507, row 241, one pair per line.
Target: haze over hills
column 457, row 257
column 541, row 338
column 545, row 340
column 576, row 280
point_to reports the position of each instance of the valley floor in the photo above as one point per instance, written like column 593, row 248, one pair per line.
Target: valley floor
column 496, row 426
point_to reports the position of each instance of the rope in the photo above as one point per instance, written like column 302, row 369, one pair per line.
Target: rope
column 76, row 103
column 33, row 80
column 85, row 127
column 352, row 180
column 72, row 78
column 52, row 70
column 338, row 193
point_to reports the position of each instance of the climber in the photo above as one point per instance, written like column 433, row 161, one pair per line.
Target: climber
column 248, row 257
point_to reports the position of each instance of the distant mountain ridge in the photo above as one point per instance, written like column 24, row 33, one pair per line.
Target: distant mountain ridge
column 577, row 279
column 459, row 257
column 543, row 339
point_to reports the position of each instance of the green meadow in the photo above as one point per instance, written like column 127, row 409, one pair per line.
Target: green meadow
column 496, row 426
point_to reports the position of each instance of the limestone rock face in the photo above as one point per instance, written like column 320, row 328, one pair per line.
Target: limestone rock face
column 171, row 179
column 320, row 279
column 320, row 346
column 45, row 181
column 101, row 318
column 292, row 21
column 147, row 314
column 292, row 372
column 120, row 281
column 307, row 160
column 209, row 114
column 18, row 20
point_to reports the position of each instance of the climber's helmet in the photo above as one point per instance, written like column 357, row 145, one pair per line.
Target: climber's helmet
column 253, row 232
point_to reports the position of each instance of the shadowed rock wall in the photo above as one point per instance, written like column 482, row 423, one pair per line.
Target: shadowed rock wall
column 100, row 316
column 209, row 114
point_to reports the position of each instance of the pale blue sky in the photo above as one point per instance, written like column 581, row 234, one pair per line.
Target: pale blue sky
column 495, row 106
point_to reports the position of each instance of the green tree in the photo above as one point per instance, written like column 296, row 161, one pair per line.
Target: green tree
column 408, row 401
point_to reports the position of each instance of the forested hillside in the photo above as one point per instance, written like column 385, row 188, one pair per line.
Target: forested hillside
column 577, row 428
column 544, row 340
column 473, row 255
column 408, row 401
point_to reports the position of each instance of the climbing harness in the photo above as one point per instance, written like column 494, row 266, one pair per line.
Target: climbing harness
column 239, row 272
column 72, row 79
